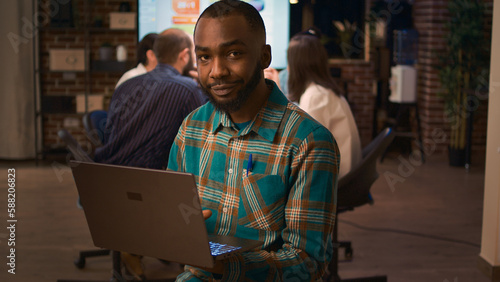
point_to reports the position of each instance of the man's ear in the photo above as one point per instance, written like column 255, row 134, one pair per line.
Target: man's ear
column 184, row 55
column 151, row 57
column 265, row 56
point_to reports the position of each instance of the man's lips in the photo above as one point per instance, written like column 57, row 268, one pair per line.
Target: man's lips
column 223, row 89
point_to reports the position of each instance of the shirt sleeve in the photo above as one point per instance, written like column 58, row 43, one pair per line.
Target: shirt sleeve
column 309, row 215
column 175, row 160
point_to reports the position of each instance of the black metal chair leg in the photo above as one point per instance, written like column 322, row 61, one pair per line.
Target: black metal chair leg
column 81, row 260
column 117, row 270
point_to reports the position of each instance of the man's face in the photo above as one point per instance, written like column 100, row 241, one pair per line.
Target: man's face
column 229, row 60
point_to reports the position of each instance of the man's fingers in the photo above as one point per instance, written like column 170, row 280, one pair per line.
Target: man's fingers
column 207, row 214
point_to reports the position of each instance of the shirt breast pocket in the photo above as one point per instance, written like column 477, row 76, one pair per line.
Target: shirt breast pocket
column 263, row 198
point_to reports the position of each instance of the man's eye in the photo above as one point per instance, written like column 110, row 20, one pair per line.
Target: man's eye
column 234, row 54
column 202, row 58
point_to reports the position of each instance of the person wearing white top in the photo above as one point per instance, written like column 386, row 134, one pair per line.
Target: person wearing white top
column 311, row 86
column 334, row 113
column 138, row 70
column 146, row 59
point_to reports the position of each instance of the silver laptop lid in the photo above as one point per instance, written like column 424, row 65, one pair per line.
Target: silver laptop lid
column 142, row 211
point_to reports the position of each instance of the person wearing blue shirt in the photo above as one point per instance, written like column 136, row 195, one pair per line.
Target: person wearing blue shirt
column 146, row 111
column 145, row 114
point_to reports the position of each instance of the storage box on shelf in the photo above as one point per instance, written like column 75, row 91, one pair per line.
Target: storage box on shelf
column 122, row 20
column 72, row 80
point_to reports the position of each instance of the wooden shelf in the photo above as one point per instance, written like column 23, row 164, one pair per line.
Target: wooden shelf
column 111, row 66
column 107, row 29
column 58, row 93
column 58, row 104
column 83, row 29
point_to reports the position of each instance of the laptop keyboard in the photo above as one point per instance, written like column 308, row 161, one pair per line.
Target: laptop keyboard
column 218, row 249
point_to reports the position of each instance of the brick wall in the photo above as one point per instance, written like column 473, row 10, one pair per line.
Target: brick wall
column 430, row 18
column 359, row 77
column 85, row 34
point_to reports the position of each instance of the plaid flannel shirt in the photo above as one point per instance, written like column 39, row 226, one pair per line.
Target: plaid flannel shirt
column 287, row 198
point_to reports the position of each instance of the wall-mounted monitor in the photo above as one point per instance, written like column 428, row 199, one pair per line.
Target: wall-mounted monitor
column 158, row 15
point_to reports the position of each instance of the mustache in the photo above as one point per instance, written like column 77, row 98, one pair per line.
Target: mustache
column 221, row 82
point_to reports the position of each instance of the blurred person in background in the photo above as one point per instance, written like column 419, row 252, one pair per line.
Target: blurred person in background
column 311, row 86
column 146, row 59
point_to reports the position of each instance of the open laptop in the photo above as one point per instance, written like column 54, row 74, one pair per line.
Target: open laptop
column 149, row 212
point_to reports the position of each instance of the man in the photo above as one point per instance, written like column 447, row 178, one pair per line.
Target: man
column 146, row 111
column 146, row 59
column 265, row 170
column 190, row 69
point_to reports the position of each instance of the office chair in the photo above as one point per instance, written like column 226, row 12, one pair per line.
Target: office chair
column 72, row 145
column 79, row 154
column 354, row 191
column 94, row 123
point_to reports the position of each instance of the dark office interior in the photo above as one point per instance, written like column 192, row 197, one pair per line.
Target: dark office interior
column 434, row 209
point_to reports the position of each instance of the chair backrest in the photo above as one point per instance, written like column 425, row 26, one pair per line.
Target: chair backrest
column 94, row 123
column 76, row 150
column 354, row 187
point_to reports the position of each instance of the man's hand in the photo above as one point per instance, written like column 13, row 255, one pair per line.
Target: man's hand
column 219, row 265
column 206, row 214
column 272, row 74
column 193, row 74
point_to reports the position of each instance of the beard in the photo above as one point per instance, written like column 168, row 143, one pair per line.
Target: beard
column 189, row 67
column 242, row 96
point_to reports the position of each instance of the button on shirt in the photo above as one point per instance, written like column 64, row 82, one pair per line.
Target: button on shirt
column 144, row 116
column 287, row 200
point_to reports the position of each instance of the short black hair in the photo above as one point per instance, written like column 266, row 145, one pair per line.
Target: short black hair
column 225, row 8
column 144, row 45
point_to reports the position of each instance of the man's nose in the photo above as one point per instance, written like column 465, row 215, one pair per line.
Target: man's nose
column 219, row 69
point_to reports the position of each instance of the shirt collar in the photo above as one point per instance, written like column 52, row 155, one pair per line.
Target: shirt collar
column 141, row 67
column 166, row 68
column 267, row 119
